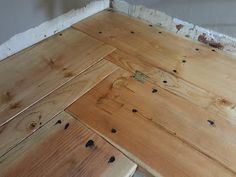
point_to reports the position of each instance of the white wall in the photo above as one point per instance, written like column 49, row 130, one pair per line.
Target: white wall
column 217, row 15
column 26, row 22
column 151, row 14
column 17, row 16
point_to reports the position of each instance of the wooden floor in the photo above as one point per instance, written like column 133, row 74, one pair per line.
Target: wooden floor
column 112, row 92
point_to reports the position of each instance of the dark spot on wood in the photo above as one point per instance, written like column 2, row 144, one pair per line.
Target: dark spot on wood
column 132, row 32
column 134, row 110
column 113, row 130
column 154, row 90
column 58, row 122
column 60, row 34
column 89, row 144
column 102, row 99
column 40, row 117
column 179, row 27
column 51, row 63
column 33, row 125
column 100, row 32
column 213, row 50
column 40, row 123
column 211, row 123
column 159, row 32
column 203, row 38
column 197, row 49
column 9, row 96
column 224, row 102
column 64, row 69
column 183, row 61
column 112, row 159
column 15, row 105
column 174, row 71
column 165, row 81
column 150, row 25
column 67, row 126
column 68, row 74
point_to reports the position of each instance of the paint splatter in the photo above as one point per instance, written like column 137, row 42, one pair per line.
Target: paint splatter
column 179, row 27
column 202, row 38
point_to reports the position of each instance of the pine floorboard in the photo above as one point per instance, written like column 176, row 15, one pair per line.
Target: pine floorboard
column 142, row 94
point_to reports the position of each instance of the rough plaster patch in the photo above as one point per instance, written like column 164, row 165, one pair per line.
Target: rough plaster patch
column 171, row 24
column 49, row 28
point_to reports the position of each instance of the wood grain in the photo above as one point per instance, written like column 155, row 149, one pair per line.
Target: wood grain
column 160, row 130
column 198, row 96
column 59, row 149
column 196, row 63
column 32, row 74
column 13, row 132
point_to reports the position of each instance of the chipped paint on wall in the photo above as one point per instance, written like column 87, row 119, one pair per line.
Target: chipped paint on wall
column 185, row 29
column 49, row 28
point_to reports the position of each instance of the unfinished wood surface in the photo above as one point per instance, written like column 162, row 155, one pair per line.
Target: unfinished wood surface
column 195, row 63
column 64, row 147
column 161, row 130
column 198, row 96
column 35, row 72
column 13, row 132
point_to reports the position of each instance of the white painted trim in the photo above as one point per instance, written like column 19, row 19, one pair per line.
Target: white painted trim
column 169, row 23
column 49, row 28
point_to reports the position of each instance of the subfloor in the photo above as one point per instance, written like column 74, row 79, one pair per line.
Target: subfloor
column 111, row 93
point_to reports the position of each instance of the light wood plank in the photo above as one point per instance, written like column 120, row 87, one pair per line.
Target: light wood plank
column 13, row 132
column 196, row 63
column 32, row 74
column 200, row 97
column 59, row 149
column 166, row 134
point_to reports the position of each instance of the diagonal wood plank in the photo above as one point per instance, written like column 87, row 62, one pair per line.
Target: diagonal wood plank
column 196, row 63
column 32, row 74
column 162, row 131
column 61, row 148
column 200, row 97
column 13, row 132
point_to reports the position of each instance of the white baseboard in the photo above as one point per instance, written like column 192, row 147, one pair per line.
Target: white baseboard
column 49, row 28
column 197, row 33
